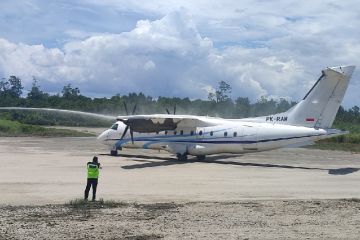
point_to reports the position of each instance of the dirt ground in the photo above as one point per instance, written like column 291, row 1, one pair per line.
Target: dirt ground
column 282, row 194
column 286, row 219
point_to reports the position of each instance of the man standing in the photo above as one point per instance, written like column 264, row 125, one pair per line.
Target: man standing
column 92, row 177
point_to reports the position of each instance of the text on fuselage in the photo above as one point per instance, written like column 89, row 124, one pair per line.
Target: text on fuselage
column 276, row 119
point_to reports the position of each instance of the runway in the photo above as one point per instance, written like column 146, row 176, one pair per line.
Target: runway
column 40, row 171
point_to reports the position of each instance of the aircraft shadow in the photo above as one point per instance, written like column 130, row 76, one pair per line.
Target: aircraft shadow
column 166, row 162
column 131, row 156
column 147, row 163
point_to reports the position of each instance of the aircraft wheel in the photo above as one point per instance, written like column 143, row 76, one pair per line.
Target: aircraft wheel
column 201, row 157
column 181, row 157
column 113, row 152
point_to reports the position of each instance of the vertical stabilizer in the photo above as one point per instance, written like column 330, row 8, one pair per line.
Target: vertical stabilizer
column 320, row 105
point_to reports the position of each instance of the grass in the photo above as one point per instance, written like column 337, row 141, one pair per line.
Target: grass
column 348, row 147
column 15, row 129
column 349, row 142
column 79, row 203
column 351, row 127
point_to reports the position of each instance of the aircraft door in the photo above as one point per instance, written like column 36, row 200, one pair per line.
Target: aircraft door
column 250, row 138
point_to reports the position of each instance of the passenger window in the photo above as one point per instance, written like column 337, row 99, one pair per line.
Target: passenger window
column 235, row 134
column 225, row 134
column 192, row 133
column 200, row 133
column 211, row 133
column 175, row 132
column 165, row 132
column 181, row 132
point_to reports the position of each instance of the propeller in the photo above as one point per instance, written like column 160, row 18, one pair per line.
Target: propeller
column 134, row 109
column 125, row 130
column 168, row 112
column 127, row 123
column 126, row 109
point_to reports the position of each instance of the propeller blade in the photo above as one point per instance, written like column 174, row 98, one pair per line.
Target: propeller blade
column 134, row 109
column 175, row 109
column 124, row 133
column 167, row 110
column 132, row 135
column 126, row 109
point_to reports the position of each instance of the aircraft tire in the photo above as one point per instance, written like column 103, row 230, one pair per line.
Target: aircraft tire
column 113, row 152
column 181, row 157
column 201, row 157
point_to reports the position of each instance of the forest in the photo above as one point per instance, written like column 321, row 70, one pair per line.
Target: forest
column 218, row 104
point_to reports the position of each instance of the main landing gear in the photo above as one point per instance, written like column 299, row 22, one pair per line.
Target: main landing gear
column 181, row 157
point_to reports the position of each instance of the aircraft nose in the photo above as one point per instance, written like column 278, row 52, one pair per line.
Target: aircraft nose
column 103, row 136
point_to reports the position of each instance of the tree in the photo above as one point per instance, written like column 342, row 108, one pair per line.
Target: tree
column 35, row 92
column 15, row 86
column 242, row 107
column 211, row 96
column 264, row 106
column 4, row 85
column 283, row 105
column 222, row 93
column 69, row 92
column 12, row 87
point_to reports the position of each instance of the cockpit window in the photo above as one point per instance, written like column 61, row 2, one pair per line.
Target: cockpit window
column 114, row 126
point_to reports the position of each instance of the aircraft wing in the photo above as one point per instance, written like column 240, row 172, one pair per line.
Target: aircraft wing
column 162, row 122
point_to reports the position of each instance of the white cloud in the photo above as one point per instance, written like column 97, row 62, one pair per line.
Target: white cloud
column 149, row 65
column 256, row 47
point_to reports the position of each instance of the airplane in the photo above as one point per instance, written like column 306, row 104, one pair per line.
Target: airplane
column 183, row 135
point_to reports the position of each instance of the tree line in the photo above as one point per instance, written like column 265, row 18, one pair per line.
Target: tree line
column 218, row 104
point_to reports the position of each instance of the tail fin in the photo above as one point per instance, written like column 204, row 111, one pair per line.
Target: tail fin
column 319, row 106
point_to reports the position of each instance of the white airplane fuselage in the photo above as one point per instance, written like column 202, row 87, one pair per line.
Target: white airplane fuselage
column 223, row 136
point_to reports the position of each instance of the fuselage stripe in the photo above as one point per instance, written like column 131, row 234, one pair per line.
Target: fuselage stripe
column 155, row 140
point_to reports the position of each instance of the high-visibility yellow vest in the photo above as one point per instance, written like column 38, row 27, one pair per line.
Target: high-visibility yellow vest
column 93, row 170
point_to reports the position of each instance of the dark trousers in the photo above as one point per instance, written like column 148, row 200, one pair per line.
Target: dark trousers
column 91, row 182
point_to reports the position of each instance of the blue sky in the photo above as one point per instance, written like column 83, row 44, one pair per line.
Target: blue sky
column 179, row 48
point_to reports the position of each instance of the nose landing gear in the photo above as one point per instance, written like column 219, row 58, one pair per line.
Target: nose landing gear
column 113, row 152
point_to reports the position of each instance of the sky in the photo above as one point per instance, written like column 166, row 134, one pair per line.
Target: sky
column 275, row 49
